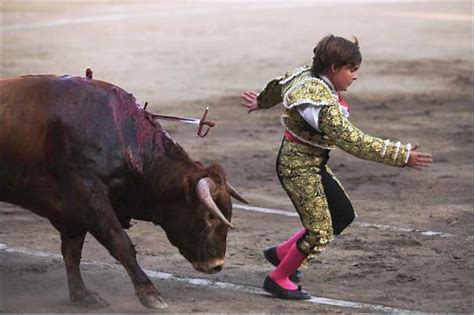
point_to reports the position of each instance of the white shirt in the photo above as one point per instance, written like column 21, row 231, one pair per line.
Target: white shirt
column 310, row 113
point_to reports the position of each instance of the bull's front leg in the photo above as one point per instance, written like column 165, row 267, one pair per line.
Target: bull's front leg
column 104, row 225
column 71, row 248
column 114, row 238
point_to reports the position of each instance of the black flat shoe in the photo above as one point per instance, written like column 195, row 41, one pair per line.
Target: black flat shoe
column 271, row 255
column 273, row 288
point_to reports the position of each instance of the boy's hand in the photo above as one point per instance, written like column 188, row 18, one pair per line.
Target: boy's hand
column 249, row 100
column 419, row 160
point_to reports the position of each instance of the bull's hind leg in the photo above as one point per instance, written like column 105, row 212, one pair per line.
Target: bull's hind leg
column 71, row 247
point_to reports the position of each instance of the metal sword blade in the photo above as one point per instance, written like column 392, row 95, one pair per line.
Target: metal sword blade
column 186, row 120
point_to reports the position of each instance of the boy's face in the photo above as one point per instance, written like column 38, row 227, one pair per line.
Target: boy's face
column 343, row 77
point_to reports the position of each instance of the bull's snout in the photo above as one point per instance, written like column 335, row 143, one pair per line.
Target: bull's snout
column 211, row 267
column 217, row 268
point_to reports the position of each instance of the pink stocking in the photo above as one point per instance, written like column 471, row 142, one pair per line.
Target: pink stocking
column 287, row 266
column 284, row 247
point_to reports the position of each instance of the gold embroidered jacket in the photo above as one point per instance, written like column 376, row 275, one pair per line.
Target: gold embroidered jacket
column 300, row 87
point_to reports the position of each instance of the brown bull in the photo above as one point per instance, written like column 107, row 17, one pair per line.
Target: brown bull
column 83, row 154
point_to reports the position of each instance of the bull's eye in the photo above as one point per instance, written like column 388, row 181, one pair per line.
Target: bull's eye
column 206, row 231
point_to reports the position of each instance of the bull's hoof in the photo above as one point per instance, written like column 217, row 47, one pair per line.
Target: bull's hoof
column 150, row 297
column 152, row 301
column 88, row 298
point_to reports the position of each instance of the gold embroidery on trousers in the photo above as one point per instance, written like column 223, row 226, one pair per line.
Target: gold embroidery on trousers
column 299, row 168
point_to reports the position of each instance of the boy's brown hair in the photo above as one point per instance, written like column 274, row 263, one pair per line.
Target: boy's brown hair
column 335, row 50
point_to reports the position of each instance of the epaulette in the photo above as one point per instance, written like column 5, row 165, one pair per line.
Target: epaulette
column 290, row 75
column 310, row 90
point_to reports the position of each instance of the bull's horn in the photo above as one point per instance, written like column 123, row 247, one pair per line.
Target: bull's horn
column 236, row 194
column 203, row 188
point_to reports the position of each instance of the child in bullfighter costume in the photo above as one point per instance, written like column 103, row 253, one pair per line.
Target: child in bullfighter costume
column 316, row 121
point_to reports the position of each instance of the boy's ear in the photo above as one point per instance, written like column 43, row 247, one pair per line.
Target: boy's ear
column 333, row 68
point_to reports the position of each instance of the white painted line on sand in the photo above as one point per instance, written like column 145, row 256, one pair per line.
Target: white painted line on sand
column 163, row 12
column 214, row 284
column 359, row 223
column 61, row 22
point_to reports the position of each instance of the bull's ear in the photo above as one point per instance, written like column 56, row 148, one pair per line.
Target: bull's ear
column 189, row 184
column 216, row 171
column 199, row 164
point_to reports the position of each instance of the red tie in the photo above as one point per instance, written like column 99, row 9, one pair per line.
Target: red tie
column 342, row 102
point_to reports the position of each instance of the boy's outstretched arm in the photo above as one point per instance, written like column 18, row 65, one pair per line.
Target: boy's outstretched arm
column 270, row 96
column 352, row 140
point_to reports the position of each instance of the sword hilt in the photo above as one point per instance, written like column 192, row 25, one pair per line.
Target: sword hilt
column 202, row 130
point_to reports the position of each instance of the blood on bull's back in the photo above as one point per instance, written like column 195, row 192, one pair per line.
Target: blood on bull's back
column 46, row 117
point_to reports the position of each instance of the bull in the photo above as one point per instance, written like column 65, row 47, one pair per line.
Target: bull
column 83, row 154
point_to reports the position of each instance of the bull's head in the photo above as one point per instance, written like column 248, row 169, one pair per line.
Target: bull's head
column 198, row 220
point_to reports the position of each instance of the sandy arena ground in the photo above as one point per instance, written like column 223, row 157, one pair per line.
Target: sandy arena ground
column 415, row 84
